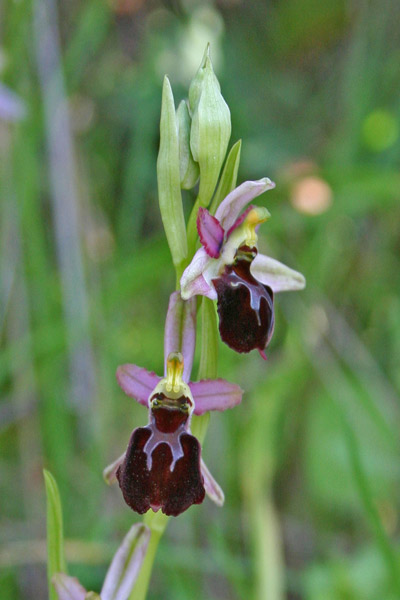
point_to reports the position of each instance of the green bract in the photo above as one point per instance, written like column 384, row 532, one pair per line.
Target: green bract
column 188, row 168
column 211, row 127
column 228, row 179
column 168, row 177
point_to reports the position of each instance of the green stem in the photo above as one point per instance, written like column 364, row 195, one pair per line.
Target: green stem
column 208, row 366
column 192, row 230
column 199, row 426
column 179, row 271
column 258, row 465
column 157, row 523
column 267, row 544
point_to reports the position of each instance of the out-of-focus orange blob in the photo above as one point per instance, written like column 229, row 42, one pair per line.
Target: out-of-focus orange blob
column 311, row 195
column 126, row 7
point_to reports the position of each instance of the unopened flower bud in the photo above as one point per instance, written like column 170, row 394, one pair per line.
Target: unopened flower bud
column 188, row 168
column 169, row 188
column 211, row 127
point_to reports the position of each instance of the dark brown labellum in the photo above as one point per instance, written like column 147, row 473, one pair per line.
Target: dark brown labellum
column 245, row 308
column 161, row 469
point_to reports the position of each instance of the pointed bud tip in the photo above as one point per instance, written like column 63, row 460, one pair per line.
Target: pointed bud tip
column 206, row 55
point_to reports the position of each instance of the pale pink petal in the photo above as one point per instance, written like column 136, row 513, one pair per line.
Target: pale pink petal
column 276, row 275
column 180, row 331
column 215, row 394
column 210, row 232
column 110, row 472
column 137, row 382
column 192, row 281
column 231, row 207
column 126, row 564
column 213, row 489
column 68, row 588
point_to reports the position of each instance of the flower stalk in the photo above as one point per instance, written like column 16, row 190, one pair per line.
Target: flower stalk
column 157, row 523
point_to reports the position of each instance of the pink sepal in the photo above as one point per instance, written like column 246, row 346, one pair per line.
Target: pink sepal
column 126, row 564
column 230, row 208
column 215, row 394
column 110, row 472
column 276, row 275
column 213, row 489
column 68, row 588
column 137, row 382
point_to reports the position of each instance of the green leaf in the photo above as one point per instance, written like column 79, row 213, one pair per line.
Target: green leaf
column 228, row 180
column 168, row 177
column 55, row 537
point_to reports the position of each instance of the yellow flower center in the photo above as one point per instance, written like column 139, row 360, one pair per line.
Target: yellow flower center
column 172, row 392
column 173, row 380
column 256, row 216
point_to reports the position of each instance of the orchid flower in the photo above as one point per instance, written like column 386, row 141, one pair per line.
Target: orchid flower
column 229, row 269
column 162, row 467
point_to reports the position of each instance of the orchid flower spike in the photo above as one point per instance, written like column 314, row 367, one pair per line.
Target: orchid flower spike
column 229, row 269
column 162, row 467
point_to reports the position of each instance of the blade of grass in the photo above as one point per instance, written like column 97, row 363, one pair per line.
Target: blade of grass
column 65, row 203
column 362, row 485
column 55, row 536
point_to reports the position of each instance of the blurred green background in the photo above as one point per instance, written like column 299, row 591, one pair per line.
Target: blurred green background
column 310, row 461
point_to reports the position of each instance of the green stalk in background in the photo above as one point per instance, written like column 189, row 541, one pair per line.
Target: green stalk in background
column 257, row 476
column 55, row 535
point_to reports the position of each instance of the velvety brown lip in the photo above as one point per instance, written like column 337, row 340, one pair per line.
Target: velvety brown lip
column 245, row 307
